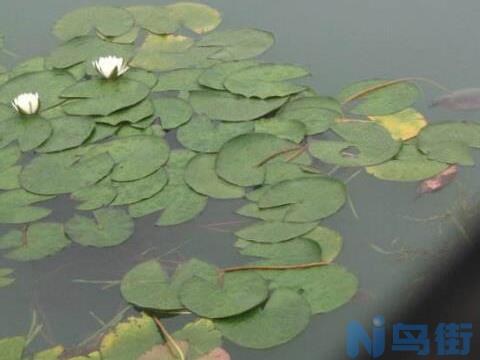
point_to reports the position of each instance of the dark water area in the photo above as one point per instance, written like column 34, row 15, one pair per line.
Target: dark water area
column 339, row 42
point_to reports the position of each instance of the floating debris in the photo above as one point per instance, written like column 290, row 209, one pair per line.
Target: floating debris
column 438, row 182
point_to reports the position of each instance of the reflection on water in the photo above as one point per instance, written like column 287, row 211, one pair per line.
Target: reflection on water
column 393, row 240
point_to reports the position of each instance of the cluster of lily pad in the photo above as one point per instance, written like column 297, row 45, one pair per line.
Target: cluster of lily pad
column 89, row 120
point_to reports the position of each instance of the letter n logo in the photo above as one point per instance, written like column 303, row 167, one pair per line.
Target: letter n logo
column 357, row 337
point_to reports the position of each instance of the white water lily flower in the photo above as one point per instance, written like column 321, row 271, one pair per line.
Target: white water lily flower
column 111, row 67
column 27, row 103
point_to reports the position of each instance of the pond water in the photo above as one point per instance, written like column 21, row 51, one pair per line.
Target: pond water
column 340, row 42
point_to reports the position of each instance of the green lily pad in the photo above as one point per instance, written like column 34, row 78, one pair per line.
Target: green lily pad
column 64, row 172
column 179, row 80
column 204, row 135
column 48, row 84
column 329, row 240
column 83, row 50
column 132, row 114
column 408, row 165
column 252, row 210
column 12, row 348
column 272, row 232
column 103, row 97
column 39, row 241
column 309, row 199
column 238, row 44
column 325, row 288
column 450, row 142
column 133, row 155
column 147, row 284
column 110, row 227
column 107, row 20
column 173, row 112
column 388, row 99
column 364, row 144
column 291, row 252
column 200, row 175
column 285, row 315
column 16, row 207
column 67, row 132
column 199, row 18
column 214, row 77
column 285, row 129
column 221, row 105
column 33, row 131
column 156, row 19
column 227, row 295
column 6, row 279
column 265, row 80
column 95, row 196
column 9, row 177
column 241, row 160
column 129, row 192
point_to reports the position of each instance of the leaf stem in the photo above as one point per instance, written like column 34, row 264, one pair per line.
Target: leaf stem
column 276, row 267
column 170, row 341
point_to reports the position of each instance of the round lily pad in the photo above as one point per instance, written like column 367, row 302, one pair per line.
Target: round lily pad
column 108, row 20
column 200, row 175
column 204, row 135
column 179, row 80
column 173, row 112
column 364, row 144
column 214, row 77
column 221, row 105
column 156, row 19
column 227, row 295
column 272, row 232
column 285, row 315
column 309, row 199
column 16, row 207
column 199, row 18
column 109, row 227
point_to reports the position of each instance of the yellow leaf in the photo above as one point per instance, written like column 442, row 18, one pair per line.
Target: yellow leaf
column 403, row 125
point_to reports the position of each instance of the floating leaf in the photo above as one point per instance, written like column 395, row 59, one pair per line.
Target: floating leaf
column 285, row 129
column 68, row 132
column 156, row 19
column 450, row 142
column 130, row 339
column 179, row 80
column 200, row 175
column 5, row 280
column 238, row 44
column 329, row 241
column 272, row 232
column 317, row 114
column 110, row 227
column 15, row 207
column 364, row 144
column 39, row 241
column 379, row 97
column 95, row 197
column 9, row 177
column 129, row 192
column 403, row 125
column 33, row 131
column 107, row 20
column 147, row 284
column 53, row 353
column 214, row 77
column 132, row 114
column 229, row 107
column 309, row 199
column 291, row 252
column 408, row 165
column 12, row 348
column 85, row 49
column 265, row 80
column 101, row 97
column 173, row 112
column 285, row 315
column 133, row 155
column 199, row 18
column 273, row 214
column 325, row 288
column 240, row 160
column 64, row 172
column 48, row 84
column 439, row 181
column 227, row 295
column 202, row 337
column 204, row 135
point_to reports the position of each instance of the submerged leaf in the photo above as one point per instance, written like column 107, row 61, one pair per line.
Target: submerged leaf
column 464, row 99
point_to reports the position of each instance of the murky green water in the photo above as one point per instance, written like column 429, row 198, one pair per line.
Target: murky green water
column 340, row 41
